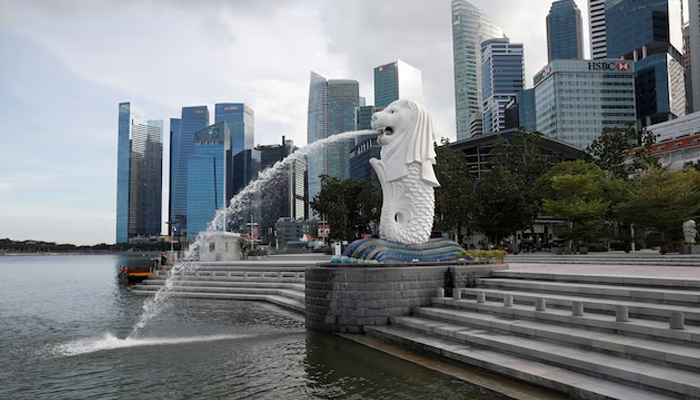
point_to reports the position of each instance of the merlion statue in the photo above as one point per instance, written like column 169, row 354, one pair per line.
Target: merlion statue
column 689, row 231
column 405, row 172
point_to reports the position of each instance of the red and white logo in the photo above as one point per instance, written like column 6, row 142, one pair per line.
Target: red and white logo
column 623, row 66
column 547, row 70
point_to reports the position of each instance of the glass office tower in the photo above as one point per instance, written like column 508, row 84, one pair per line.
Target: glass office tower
column 470, row 27
column 208, row 177
column 332, row 105
column 564, row 31
column 650, row 33
column 397, row 80
column 240, row 120
column 502, row 77
column 182, row 147
column 576, row 99
column 139, row 174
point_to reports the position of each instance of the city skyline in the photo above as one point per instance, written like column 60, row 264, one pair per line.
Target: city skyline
column 54, row 66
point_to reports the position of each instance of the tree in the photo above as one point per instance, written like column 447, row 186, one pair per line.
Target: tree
column 611, row 150
column 348, row 205
column 455, row 202
column 663, row 200
column 577, row 191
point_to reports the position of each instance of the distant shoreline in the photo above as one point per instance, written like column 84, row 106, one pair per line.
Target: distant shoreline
column 107, row 253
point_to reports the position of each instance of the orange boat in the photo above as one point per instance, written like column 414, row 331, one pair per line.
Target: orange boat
column 134, row 274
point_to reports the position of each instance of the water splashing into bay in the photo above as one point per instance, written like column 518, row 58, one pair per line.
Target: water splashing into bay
column 152, row 307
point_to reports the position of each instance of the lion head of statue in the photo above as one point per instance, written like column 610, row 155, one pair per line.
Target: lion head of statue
column 406, row 135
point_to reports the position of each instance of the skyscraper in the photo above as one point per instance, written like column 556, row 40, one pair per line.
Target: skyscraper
column 502, row 77
column 139, row 174
column 240, row 120
column 208, row 177
column 596, row 16
column 470, row 27
column 650, row 32
column 182, row 146
column 564, row 31
column 397, row 80
column 694, row 50
column 332, row 105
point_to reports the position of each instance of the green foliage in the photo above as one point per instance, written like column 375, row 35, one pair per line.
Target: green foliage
column 484, row 255
column 348, row 205
column 257, row 252
column 455, row 198
column 610, row 150
column 662, row 200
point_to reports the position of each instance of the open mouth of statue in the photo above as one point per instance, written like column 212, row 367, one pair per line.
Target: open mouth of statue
column 386, row 131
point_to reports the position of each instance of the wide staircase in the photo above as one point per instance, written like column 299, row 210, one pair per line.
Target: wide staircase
column 640, row 258
column 276, row 284
column 588, row 337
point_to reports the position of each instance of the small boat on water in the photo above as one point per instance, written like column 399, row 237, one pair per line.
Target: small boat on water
column 135, row 274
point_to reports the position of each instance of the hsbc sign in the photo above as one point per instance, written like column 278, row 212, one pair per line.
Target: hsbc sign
column 609, row 66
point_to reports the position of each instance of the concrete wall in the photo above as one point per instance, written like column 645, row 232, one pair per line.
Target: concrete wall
column 345, row 298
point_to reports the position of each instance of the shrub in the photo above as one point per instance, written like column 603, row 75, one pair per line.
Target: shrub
column 257, row 252
column 484, row 255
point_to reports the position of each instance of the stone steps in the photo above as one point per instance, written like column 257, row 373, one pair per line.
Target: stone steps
column 655, row 260
column 674, row 355
column 646, row 310
column 642, row 294
column 295, row 294
column 574, row 384
column 228, row 283
column 631, row 372
column 620, row 280
column 643, row 328
column 281, row 301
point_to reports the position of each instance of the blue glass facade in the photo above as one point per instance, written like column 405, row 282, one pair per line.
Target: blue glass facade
column 332, row 105
column 246, row 166
column 192, row 120
column 386, row 85
column 139, row 174
column 660, row 88
column 502, row 77
column 207, row 176
column 564, row 31
column 527, row 112
column 360, row 168
column 240, row 120
column 174, row 154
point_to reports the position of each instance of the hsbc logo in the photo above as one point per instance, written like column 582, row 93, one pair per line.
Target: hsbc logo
column 609, row 66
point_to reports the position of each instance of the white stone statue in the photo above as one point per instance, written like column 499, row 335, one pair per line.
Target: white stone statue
column 405, row 172
column 689, row 231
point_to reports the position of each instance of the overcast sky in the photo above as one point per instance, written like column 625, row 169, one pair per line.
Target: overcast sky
column 66, row 64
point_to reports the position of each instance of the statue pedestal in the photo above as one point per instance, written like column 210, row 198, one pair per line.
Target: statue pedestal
column 690, row 249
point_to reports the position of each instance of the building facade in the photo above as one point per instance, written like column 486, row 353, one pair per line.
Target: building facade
column 208, row 177
column 240, row 120
column 502, row 78
column 139, row 174
column 332, row 105
column 576, row 99
column 650, row 33
column 470, row 27
column 564, row 31
column 521, row 112
column 360, row 168
column 397, row 80
column 694, row 50
column 675, row 153
column 684, row 126
column 596, row 17
column 181, row 148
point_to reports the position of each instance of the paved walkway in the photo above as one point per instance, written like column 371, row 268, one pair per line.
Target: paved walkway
column 599, row 269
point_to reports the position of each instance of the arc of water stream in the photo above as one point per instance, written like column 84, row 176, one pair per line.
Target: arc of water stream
column 155, row 305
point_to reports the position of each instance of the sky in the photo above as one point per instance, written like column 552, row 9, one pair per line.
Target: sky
column 66, row 64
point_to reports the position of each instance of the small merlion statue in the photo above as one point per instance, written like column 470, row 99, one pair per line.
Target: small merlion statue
column 689, row 231
column 405, row 172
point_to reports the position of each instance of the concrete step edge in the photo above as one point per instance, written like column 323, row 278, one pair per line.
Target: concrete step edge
column 604, row 279
column 633, row 372
column 573, row 384
column 278, row 300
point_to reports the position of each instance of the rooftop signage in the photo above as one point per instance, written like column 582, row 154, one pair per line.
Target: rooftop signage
column 595, row 66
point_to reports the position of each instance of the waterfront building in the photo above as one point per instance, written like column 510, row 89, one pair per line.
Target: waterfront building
column 650, row 33
column 240, row 120
column 683, row 126
column 521, row 111
column 397, row 80
column 360, row 168
column 332, row 105
column 502, row 78
column 470, row 27
column 287, row 197
column 139, row 174
column 363, row 117
column 181, row 148
column 174, row 132
column 576, row 99
column 674, row 153
column 564, row 31
column 208, row 177
column 246, row 167
column 596, row 16
column 694, row 50
column 290, row 230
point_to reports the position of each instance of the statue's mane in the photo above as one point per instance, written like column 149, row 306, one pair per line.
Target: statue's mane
column 416, row 145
